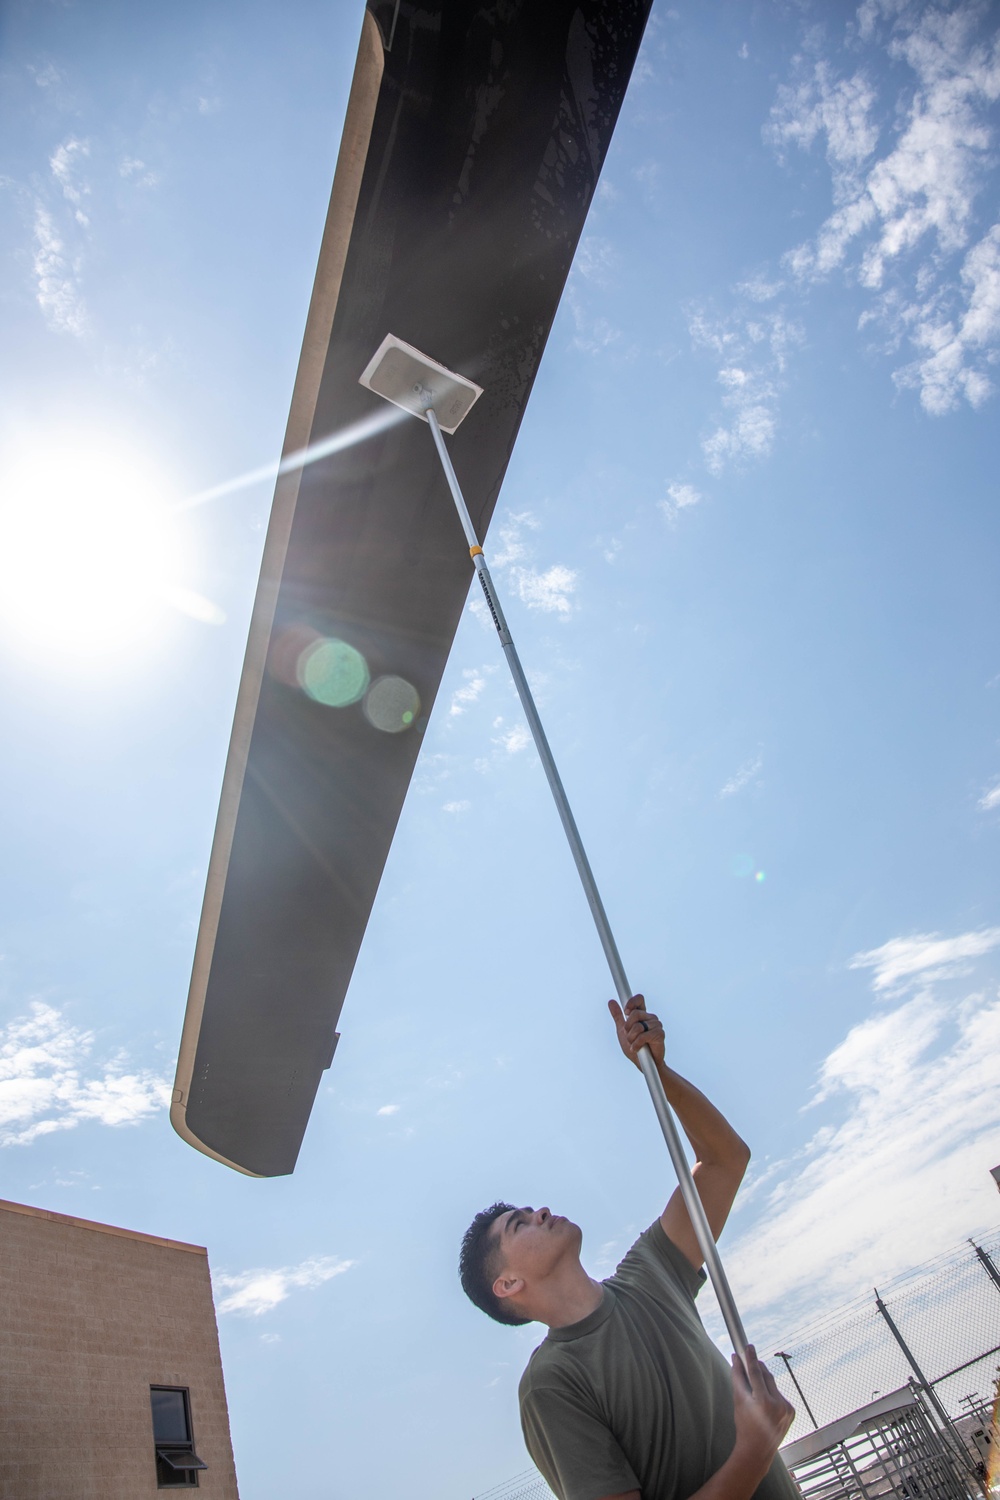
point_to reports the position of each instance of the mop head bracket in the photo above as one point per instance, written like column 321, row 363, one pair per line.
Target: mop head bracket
column 411, row 380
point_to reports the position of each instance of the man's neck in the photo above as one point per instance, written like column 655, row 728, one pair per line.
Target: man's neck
column 567, row 1298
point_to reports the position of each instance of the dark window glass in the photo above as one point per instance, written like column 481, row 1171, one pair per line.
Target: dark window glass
column 170, row 1416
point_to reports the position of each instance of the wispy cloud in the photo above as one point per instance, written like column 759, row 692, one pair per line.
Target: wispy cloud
column 61, row 222
column 991, row 799
column 593, row 268
column 56, row 279
column 64, row 164
column 512, row 740
column 130, row 167
column 679, row 497
column 917, row 1092
column 252, row 1293
column 388, row 1109
column 925, row 956
column 905, row 197
column 474, row 680
column 751, row 347
column 746, row 774
column 949, row 365
column 548, row 589
column 47, row 1081
column 461, row 806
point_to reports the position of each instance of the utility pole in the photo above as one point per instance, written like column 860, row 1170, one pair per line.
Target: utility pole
column 988, row 1263
column 922, row 1380
column 779, row 1354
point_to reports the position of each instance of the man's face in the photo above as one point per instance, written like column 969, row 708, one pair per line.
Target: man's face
column 532, row 1242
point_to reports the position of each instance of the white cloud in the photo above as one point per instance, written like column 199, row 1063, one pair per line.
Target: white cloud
column 513, row 547
column 679, row 497
column 839, row 109
column 64, row 163
column 514, row 740
column 900, row 1174
column 752, row 348
column 898, row 962
column 595, row 259
column 947, row 369
column 747, row 773
column 45, row 77
column 905, row 216
column 469, row 692
column 759, row 288
column 549, row 590
column 58, row 292
column 991, row 799
column 388, row 1109
column 132, row 167
column 461, row 806
column 594, row 335
column 43, row 1087
column 252, row 1293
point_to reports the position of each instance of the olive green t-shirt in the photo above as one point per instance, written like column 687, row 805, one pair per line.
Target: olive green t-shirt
column 635, row 1396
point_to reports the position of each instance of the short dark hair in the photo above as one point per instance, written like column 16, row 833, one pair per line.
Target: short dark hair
column 477, row 1266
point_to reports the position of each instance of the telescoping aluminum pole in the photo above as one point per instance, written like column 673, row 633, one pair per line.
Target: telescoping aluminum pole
column 391, row 374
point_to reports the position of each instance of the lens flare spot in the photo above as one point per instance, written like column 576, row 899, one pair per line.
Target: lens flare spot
column 332, row 673
column 392, row 704
column 760, row 877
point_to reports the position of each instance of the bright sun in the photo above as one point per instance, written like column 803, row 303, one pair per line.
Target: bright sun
column 88, row 549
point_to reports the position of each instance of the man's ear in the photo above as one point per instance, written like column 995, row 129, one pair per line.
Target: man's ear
column 508, row 1286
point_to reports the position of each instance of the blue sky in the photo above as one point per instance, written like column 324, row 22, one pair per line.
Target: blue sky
column 749, row 544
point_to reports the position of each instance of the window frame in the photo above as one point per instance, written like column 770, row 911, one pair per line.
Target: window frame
column 178, row 1479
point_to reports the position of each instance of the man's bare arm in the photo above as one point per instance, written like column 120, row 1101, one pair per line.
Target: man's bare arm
column 721, row 1155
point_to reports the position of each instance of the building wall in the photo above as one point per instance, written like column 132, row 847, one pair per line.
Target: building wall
column 90, row 1317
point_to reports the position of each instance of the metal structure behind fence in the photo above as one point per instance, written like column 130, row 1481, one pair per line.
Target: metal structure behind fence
column 889, row 1450
column 938, row 1325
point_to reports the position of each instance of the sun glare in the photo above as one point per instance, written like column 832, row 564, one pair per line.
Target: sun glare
column 88, row 551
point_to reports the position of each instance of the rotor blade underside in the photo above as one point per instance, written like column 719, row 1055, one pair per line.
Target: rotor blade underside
column 474, row 137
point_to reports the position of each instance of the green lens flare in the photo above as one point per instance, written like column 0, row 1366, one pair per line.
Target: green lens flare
column 392, row 704
column 333, row 673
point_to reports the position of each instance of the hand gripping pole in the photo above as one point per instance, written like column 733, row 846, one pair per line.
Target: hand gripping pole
column 654, row 1083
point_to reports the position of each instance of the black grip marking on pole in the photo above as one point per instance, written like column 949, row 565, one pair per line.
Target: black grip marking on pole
column 501, row 632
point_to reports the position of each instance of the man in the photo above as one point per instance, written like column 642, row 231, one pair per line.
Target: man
column 627, row 1398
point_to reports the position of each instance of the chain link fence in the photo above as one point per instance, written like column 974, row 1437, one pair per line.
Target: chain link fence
column 938, row 1325
column 528, row 1485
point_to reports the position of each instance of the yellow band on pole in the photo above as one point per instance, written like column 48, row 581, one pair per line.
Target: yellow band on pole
column 475, row 551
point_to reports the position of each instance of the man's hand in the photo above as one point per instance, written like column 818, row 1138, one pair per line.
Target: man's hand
column 763, row 1416
column 637, row 1027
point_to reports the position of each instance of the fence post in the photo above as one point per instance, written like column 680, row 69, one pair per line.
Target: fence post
column 779, row 1354
column 988, row 1264
column 923, row 1382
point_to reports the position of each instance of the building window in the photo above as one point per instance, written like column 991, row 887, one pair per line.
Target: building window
column 177, row 1464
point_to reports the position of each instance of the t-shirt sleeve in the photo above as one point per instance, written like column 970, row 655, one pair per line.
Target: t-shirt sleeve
column 575, row 1451
column 674, row 1261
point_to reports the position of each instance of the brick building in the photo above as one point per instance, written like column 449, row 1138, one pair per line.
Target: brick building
column 110, row 1373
